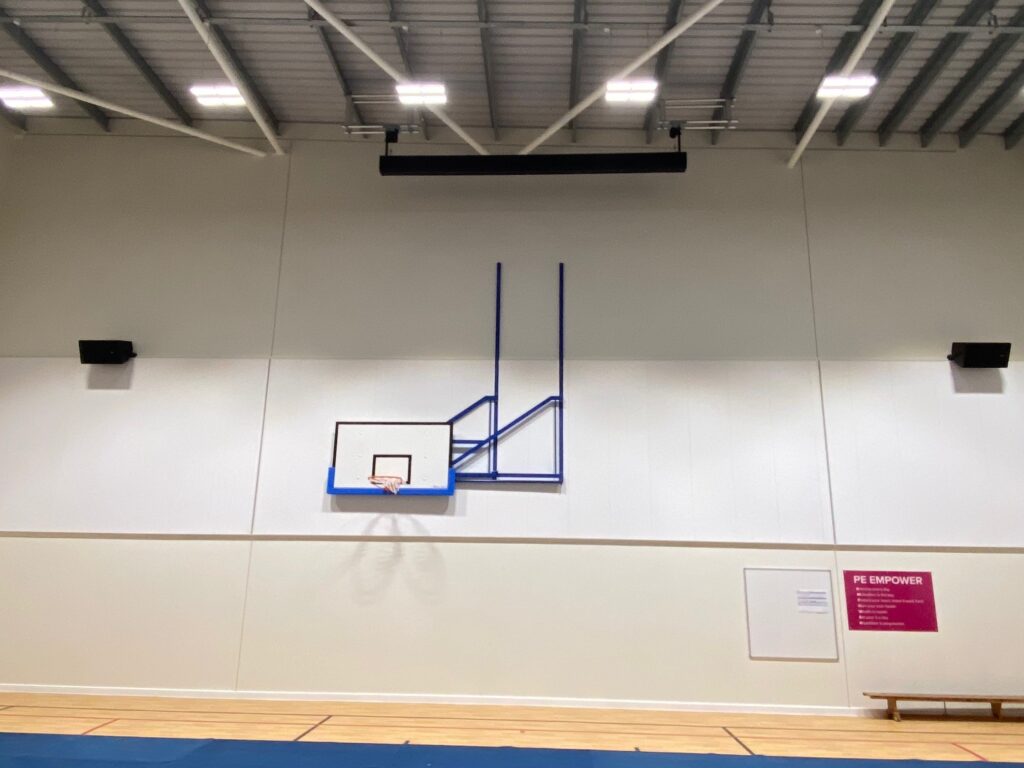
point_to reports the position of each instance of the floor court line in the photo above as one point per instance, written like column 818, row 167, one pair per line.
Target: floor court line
column 971, row 751
column 738, row 740
column 496, row 726
column 97, row 727
column 312, row 728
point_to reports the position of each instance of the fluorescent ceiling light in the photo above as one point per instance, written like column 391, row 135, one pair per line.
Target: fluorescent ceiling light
column 631, row 91
column 422, row 93
column 217, row 95
column 23, row 98
column 846, row 86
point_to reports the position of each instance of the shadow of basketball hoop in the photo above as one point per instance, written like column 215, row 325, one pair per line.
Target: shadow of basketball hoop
column 386, row 554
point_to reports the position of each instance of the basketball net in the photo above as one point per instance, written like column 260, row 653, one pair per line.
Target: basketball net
column 388, row 483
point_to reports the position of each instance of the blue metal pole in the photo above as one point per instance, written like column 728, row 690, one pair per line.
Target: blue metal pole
column 561, row 367
column 493, row 438
column 469, row 409
column 497, row 363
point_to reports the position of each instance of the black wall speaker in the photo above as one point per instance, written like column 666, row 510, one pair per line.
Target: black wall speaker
column 973, row 354
column 105, row 352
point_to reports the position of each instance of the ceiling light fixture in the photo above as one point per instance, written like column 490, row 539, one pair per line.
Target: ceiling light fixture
column 846, row 86
column 631, row 91
column 217, row 95
column 422, row 93
column 23, row 98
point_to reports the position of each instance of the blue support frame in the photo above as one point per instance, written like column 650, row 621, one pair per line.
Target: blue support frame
column 470, row 447
column 464, row 449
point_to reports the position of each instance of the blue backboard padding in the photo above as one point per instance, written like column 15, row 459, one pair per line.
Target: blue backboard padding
column 23, row 750
column 405, row 490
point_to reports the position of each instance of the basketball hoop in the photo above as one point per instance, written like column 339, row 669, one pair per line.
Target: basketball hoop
column 388, row 483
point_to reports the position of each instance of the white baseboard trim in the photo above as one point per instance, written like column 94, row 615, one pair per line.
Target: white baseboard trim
column 443, row 698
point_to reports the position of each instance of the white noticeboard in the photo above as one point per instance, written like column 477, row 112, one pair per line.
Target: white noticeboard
column 790, row 614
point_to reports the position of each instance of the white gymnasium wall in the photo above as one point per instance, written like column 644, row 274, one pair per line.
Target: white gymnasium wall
column 403, row 268
column 696, row 412
column 173, row 244
column 925, row 453
column 165, row 445
column 913, row 250
column 694, row 451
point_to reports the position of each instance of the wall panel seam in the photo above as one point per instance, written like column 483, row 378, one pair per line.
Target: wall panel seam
column 746, row 545
column 245, row 607
column 273, row 339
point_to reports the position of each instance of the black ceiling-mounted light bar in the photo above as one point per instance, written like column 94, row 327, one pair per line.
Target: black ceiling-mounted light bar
column 532, row 165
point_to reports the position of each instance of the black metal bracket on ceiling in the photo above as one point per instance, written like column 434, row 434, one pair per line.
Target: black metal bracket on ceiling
column 675, row 131
column 390, row 137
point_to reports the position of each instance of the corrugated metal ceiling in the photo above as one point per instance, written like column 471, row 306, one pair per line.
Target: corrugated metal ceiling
column 531, row 48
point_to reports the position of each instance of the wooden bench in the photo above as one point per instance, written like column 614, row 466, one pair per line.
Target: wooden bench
column 996, row 702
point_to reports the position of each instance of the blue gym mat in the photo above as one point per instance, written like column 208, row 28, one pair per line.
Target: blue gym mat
column 19, row 750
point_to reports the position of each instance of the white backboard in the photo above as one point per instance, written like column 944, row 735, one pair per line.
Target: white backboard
column 418, row 452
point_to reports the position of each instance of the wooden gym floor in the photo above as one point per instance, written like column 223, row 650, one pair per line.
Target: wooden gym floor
column 923, row 737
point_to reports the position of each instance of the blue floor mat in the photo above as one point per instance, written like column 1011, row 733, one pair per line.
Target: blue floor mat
column 45, row 751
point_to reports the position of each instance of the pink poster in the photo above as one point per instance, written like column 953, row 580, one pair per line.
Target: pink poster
column 890, row 601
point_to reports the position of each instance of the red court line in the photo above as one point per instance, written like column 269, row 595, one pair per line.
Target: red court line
column 312, row 727
column 101, row 725
column 965, row 749
column 738, row 740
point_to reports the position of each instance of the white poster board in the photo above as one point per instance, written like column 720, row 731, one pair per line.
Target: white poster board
column 790, row 614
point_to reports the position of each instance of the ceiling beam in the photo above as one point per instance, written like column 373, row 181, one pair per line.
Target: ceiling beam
column 804, row 29
column 739, row 64
column 16, row 120
column 483, row 13
column 622, row 73
column 171, row 125
column 970, row 82
column 50, row 67
column 1013, row 134
column 938, row 60
column 877, row 20
column 579, row 16
column 132, row 53
column 351, row 108
column 1001, row 97
column 345, row 31
column 840, row 56
column 661, row 67
column 403, row 53
column 221, row 40
column 399, row 37
column 884, row 68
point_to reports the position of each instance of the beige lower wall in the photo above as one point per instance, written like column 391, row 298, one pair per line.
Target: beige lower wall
column 981, row 628
column 597, row 623
column 517, row 620
column 120, row 612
